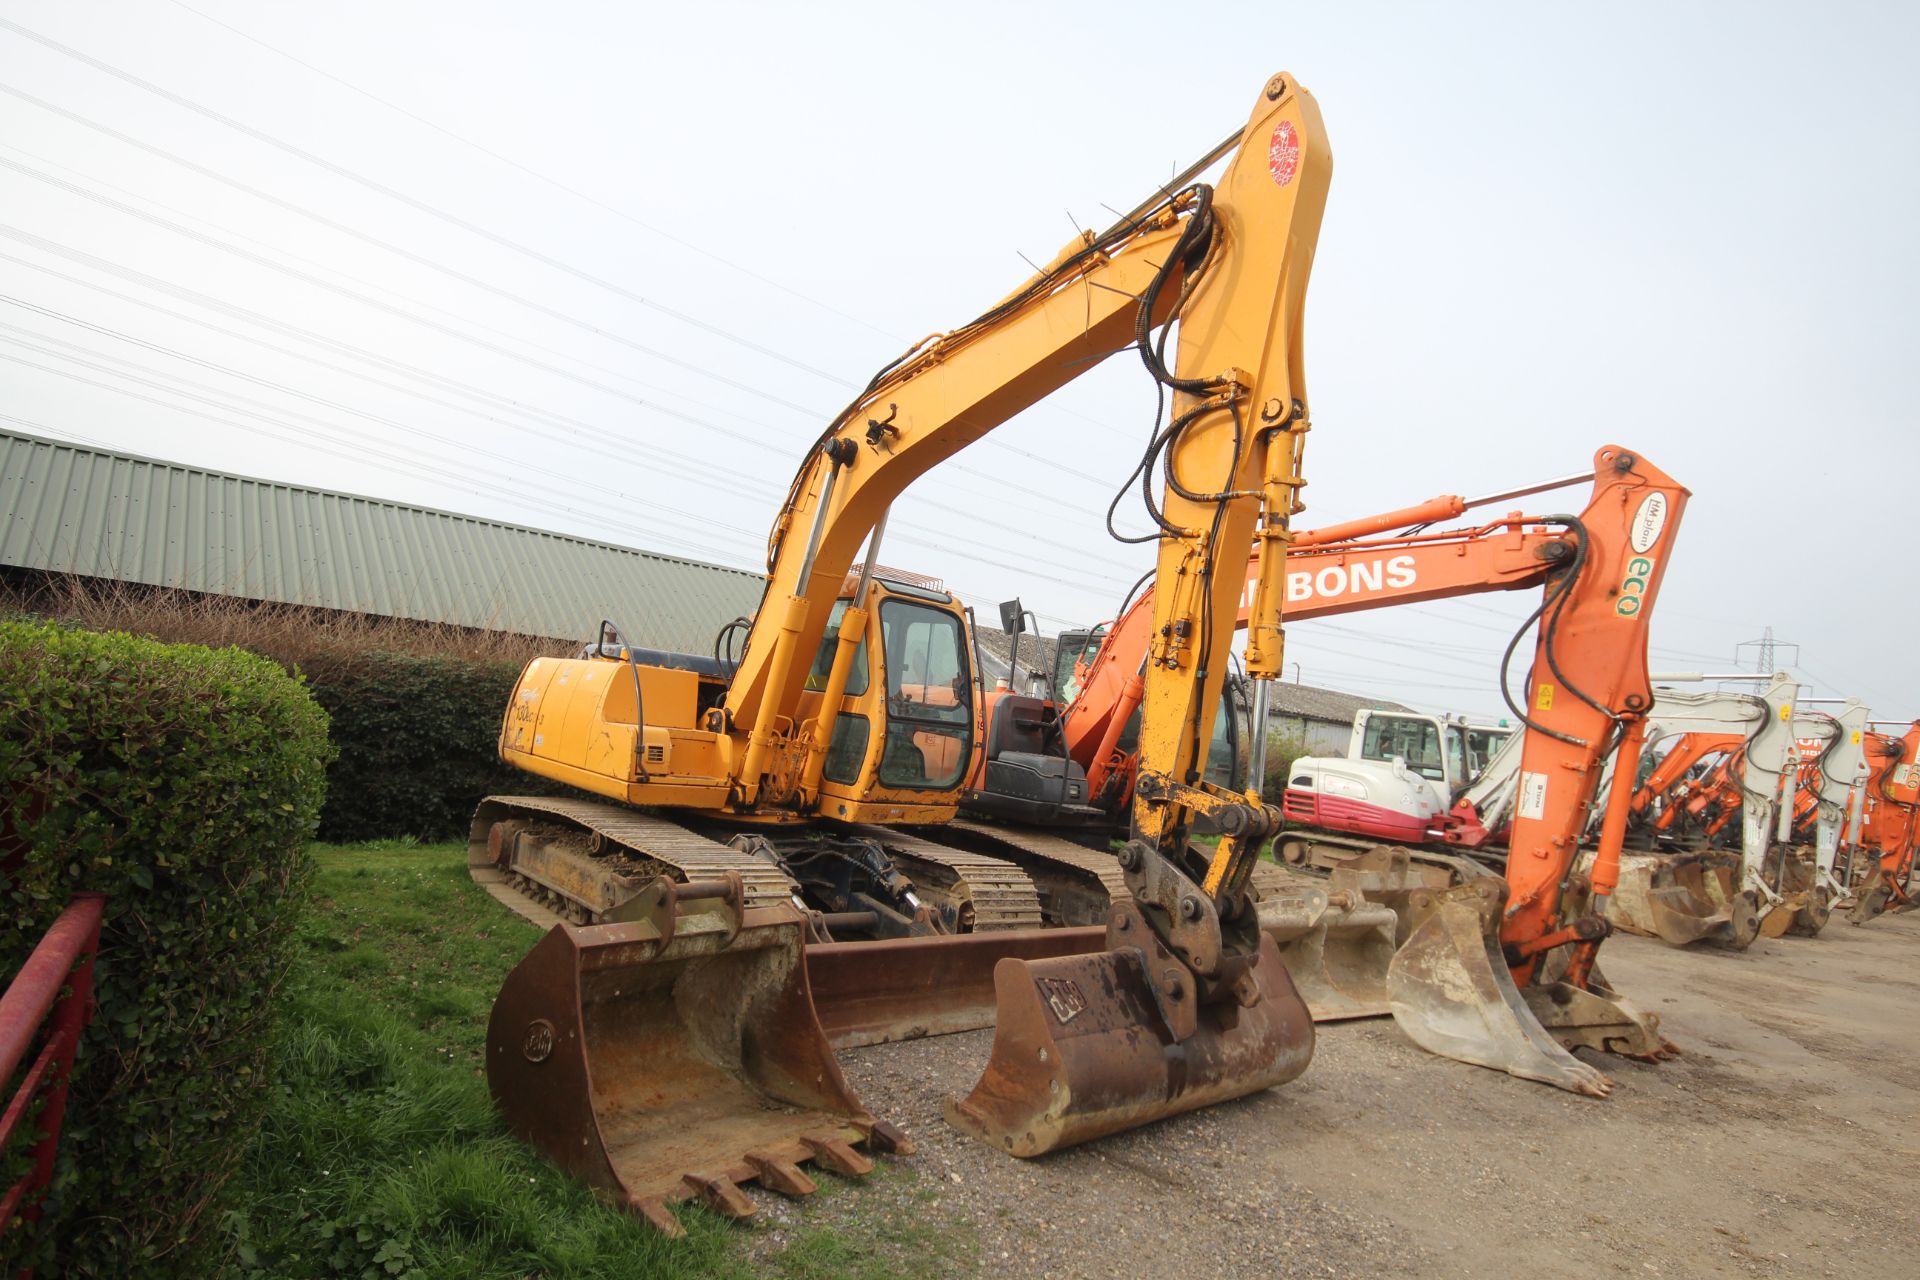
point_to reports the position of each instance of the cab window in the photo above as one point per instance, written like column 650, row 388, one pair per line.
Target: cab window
column 1456, row 754
column 929, row 704
column 1482, row 745
column 823, row 658
column 1415, row 741
column 1228, row 753
column 1070, row 648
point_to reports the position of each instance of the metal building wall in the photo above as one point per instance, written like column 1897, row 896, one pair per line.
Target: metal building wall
column 74, row 510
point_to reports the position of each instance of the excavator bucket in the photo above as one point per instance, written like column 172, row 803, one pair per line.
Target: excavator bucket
column 1685, row 898
column 1872, row 897
column 1390, row 876
column 1805, row 905
column 675, row 1054
column 1336, row 947
column 1090, row 1045
column 1453, row 995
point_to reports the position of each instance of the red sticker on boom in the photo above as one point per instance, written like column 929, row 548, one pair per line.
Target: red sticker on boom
column 1283, row 153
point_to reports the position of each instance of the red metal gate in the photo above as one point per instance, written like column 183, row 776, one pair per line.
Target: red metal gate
column 63, row 960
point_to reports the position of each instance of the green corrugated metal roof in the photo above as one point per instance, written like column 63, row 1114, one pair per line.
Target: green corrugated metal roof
column 68, row 509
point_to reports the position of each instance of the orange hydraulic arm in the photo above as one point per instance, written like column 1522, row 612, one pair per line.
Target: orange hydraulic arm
column 1342, row 568
column 1588, row 692
column 1719, row 791
column 1689, row 751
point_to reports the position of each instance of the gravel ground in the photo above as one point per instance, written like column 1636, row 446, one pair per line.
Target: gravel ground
column 1782, row 1144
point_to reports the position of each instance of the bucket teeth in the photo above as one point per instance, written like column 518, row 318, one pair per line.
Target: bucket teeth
column 653, row 1209
column 720, row 1194
column 833, row 1152
column 776, row 1173
column 886, row 1138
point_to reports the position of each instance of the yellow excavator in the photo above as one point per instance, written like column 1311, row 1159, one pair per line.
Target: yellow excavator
column 670, row 1050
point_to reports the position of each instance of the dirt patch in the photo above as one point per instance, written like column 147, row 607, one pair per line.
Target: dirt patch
column 1765, row 1151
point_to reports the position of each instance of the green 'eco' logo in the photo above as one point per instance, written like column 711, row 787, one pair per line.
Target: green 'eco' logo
column 1633, row 586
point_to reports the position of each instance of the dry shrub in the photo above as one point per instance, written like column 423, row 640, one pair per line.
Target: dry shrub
column 290, row 634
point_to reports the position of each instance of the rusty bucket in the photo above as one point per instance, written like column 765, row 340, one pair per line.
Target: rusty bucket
column 893, row 989
column 1336, row 947
column 675, row 1054
column 1804, row 905
column 1871, row 898
column 1090, row 1045
column 1685, row 898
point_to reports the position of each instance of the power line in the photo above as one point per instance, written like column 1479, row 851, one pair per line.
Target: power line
column 306, row 277
column 294, row 436
column 452, row 273
column 947, row 540
column 561, row 186
column 454, row 386
column 421, row 206
column 461, row 447
column 402, row 313
column 998, row 480
column 510, row 485
column 55, row 431
column 555, row 183
column 596, row 433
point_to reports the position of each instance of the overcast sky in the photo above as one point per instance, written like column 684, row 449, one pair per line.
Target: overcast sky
column 607, row 267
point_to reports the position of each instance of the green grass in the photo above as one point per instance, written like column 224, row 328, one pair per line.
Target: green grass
column 382, row 1155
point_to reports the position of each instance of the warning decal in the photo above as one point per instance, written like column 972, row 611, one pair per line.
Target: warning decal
column 1283, row 153
column 1533, row 795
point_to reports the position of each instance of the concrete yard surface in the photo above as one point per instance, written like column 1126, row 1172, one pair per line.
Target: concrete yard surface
column 1783, row 1143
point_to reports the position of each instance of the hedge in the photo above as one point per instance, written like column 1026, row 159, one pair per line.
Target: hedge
column 418, row 740
column 184, row 783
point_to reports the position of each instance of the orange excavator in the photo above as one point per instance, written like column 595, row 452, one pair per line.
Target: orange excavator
column 673, row 1046
column 1890, row 830
column 1522, row 947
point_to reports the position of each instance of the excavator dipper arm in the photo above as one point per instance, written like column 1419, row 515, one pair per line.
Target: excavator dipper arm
column 1524, row 942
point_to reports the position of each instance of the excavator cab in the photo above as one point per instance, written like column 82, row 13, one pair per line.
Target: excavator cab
column 905, row 721
column 652, row 728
